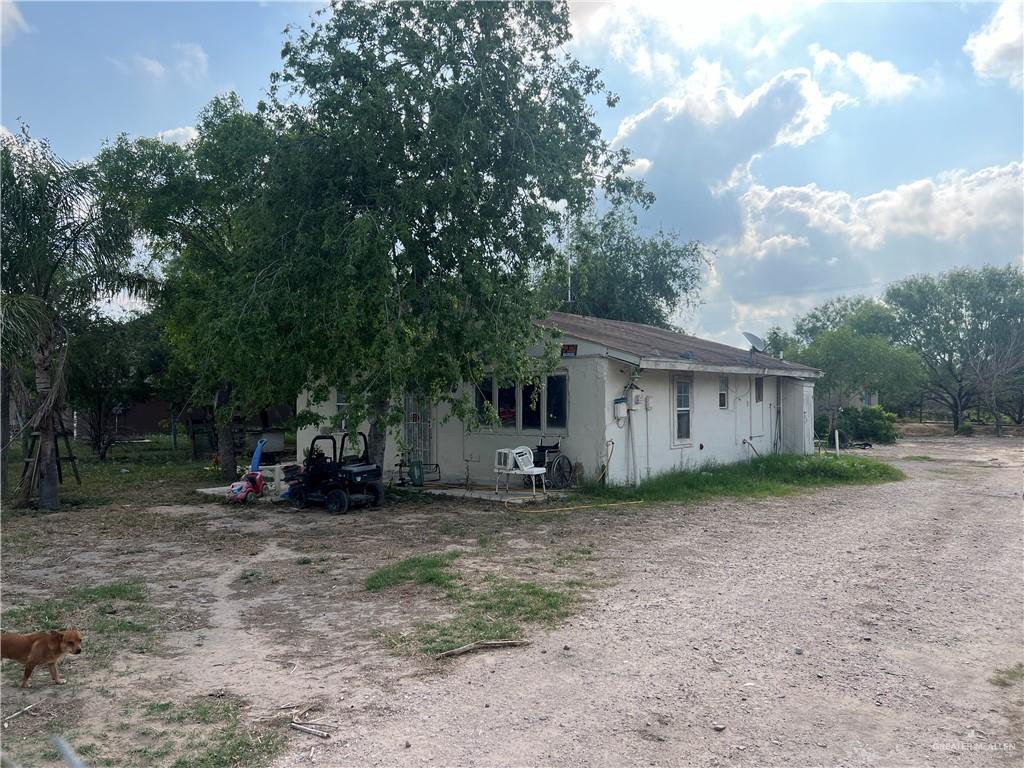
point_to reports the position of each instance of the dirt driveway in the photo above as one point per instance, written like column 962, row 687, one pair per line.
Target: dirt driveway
column 854, row 626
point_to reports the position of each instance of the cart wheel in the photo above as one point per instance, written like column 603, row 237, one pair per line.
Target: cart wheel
column 337, row 502
column 250, row 497
column 561, row 472
column 376, row 491
column 297, row 497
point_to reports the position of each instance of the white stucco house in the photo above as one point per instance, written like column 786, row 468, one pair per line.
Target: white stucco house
column 641, row 400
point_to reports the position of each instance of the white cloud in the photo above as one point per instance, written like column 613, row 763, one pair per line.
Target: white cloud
column 708, row 97
column 686, row 25
column 801, row 245
column 997, row 49
column 881, row 80
column 192, row 63
column 151, row 67
column 948, row 207
column 182, row 135
column 11, row 20
column 770, row 45
column 639, row 167
column 638, row 32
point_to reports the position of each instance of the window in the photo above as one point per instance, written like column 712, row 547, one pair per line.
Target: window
column 341, row 409
column 484, row 397
column 682, row 410
column 526, row 407
column 507, row 407
column 723, row 391
column 531, row 407
column 557, row 412
column 759, row 389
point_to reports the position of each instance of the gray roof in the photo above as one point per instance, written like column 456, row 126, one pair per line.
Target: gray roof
column 658, row 344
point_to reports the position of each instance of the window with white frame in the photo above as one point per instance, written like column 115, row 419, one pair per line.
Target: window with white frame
column 521, row 407
column 723, row 391
column 683, row 404
column 759, row 389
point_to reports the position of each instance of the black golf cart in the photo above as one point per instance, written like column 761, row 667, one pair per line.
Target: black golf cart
column 336, row 481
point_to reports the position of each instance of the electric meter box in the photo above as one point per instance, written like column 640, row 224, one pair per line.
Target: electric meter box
column 636, row 399
column 619, row 408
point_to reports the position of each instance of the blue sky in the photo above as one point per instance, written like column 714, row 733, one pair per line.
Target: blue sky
column 819, row 148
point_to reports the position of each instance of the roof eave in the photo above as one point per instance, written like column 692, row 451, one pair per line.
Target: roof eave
column 662, row 364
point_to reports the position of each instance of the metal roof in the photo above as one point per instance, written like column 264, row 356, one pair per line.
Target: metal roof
column 659, row 347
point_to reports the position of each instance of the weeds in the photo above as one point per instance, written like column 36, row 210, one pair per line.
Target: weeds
column 775, row 475
column 420, row 569
column 494, row 610
column 114, row 615
column 1004, row 678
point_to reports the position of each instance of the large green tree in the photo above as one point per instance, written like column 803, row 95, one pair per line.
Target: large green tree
column 109, row 368
column 430, row 151
column 956, row 321
column 609, row 269
column 64, row 243
column 201, row 207
column 854, row 363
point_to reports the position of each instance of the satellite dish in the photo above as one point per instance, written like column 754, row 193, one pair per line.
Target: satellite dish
column 756, row 342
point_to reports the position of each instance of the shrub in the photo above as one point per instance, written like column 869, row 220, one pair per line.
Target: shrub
column 965, row 430
column 871, row 424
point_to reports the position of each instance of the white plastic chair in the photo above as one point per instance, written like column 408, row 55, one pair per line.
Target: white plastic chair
column 517, row 461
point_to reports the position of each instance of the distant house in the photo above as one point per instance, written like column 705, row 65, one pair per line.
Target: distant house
column 641, row 400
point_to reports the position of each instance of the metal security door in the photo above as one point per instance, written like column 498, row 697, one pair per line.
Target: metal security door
column 418, row 430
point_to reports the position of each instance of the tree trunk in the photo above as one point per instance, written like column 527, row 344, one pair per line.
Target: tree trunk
column 377, row 436
column 174, row 426
column 955, row 410
column 47, row 469
column 5, row 425
column 225, row 434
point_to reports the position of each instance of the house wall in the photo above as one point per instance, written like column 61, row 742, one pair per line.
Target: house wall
column 459, row 449
column 328, row 410
column 645, row 443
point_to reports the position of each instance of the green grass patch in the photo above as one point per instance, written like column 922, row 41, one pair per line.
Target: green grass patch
column 440, row 636
column 1004, row 678
column 918, row 458
column 419, row 569
column 520, row 601
column 496, row 612
column 133, row 591
column 774, row 475
column 148, row 472
column 568, row 556
column 110, row 616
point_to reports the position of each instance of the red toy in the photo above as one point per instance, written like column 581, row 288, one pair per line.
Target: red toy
column 252, row 484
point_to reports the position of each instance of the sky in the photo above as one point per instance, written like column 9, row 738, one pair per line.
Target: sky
column 818, row 149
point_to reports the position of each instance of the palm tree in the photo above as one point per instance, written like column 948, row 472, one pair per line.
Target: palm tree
column 64, row 244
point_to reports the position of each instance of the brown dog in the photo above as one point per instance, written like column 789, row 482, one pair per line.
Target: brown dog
column 40, row 648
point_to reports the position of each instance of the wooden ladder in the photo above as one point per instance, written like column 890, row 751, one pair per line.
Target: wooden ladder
column 30, row 470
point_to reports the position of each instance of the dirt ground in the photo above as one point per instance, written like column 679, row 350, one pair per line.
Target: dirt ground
column 854, row 626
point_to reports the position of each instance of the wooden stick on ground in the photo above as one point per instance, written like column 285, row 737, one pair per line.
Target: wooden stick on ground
column 313, row 731
column 481, row 644
column 26, row 709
